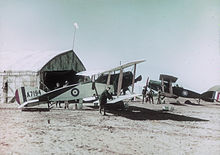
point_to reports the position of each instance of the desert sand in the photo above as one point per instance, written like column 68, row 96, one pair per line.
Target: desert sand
column 142, row 129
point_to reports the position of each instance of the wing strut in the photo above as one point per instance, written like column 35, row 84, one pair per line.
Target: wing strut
column 133, row 80
column 93, row 85
column 109, row 78
column 120, row 82
column 162, row 84
column 170, row 87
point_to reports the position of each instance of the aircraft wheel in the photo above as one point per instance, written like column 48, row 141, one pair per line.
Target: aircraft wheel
column 116, row 106
column 188, row 102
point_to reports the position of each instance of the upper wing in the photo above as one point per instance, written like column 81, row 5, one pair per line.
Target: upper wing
column 90, row 73
column 97, row 72
column 123, row 66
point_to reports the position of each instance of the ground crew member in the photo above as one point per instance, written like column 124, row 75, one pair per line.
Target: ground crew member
column 103, row 99
column 58, row 102
column 144, row 91
column 159, row 97
column 5, row 90
column 66, row 103
column 151, row 98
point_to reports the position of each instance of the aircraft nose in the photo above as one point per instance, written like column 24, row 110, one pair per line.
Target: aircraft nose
column 139, row 78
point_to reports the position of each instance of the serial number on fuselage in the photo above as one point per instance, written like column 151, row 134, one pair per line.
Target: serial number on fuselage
column 34, row 93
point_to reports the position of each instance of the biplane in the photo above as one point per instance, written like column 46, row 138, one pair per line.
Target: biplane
column 166, row 88
column 75, row 93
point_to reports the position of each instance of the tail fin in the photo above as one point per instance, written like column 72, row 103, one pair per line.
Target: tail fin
column 24, row 94
column 208, row 96
column 217, row 96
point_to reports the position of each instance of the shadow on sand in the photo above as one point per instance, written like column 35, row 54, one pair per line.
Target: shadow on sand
column 138, row 113
column 194, row 104
column 217, row 104
column 35, row 109
column 178, row 104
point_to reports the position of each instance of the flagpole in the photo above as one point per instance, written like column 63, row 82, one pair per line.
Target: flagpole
column 74, row 34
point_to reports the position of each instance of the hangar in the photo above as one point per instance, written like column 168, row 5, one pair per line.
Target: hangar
column 37, row 69
column 216, row 89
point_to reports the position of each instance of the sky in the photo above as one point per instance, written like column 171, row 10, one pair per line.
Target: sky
column 175, row 37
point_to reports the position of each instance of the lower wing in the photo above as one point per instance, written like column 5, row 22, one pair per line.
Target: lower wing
column 121, row 98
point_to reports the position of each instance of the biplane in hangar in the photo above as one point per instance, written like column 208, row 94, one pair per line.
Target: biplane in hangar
column 75, row 93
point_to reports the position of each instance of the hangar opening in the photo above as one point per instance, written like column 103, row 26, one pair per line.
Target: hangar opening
column 51, row 78
column 61, row 69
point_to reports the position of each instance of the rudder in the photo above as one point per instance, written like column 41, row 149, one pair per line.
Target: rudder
column 24, row 94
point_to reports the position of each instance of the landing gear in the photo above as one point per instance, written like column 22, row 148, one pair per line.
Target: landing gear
column 117, row 106
column 188, row 102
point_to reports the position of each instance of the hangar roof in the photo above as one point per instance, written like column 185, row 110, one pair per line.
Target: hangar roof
column 40, row 60
column 215, row 88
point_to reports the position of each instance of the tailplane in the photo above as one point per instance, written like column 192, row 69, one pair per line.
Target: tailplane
column 208, row 96
column 25, row 94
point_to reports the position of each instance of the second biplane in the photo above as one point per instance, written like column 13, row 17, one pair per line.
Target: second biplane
column 166, row 88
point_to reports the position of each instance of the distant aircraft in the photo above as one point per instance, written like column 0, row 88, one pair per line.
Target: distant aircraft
column 28, row 96
column 168, row 90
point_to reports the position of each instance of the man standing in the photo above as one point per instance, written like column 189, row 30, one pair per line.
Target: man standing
column 144, row 91
column 66, row 103
column 103, row 99
column 159, row 97
column 58, row 102
column 151, row 98
column 5, row 92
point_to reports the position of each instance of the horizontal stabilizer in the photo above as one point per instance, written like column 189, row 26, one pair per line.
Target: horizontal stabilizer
column 169, row 95
column 29, row 103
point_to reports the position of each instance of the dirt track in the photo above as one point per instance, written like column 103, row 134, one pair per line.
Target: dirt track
column 144, row 129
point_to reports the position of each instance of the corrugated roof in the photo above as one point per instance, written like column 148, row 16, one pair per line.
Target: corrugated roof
column 25, row 60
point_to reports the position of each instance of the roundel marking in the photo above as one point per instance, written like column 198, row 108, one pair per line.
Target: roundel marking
column 75, row 92
column 185, row 93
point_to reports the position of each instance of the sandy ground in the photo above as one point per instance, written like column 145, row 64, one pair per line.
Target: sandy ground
column 143, row 129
